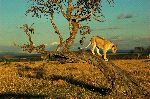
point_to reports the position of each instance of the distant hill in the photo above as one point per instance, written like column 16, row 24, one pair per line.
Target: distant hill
column 9, row 49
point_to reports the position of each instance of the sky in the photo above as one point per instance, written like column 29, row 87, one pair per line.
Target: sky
column 127, row 25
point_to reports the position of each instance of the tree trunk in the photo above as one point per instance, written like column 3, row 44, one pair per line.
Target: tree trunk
column 73, row 28
column 57, row 32
column 69, row 42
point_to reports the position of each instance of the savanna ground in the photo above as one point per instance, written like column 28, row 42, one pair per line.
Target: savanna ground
column 68, row 80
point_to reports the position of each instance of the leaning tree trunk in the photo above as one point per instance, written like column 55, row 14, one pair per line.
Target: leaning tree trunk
column 57, row 32
column 73, row 28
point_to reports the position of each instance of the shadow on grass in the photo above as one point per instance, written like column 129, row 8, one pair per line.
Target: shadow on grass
column 21, row 96
column 38, row 73
column 101, row 90
column 26, row 71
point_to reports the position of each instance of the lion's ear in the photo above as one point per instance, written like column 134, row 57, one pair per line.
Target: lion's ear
column 113, row 46
column 116, row 45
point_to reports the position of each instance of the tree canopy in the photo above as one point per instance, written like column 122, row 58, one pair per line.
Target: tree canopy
column 75, row 11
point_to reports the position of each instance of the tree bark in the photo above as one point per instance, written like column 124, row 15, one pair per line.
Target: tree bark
column 57, row 32
column 73, row 28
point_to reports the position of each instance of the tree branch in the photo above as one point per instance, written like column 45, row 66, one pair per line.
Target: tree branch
column 57, row 32
column 82, row 18
column 62, row 9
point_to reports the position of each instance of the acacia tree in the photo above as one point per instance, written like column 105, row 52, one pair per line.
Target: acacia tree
column 29, row 47
column 75, row 11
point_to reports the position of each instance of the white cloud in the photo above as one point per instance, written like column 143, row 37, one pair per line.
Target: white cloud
column 142, row 38
column 125, row 16
column 54, row 43
column 117, row 38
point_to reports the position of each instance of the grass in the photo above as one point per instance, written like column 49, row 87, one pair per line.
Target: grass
column 64, row 81
column 138, row 69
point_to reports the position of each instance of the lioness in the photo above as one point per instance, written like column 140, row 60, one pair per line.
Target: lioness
column 99, row 42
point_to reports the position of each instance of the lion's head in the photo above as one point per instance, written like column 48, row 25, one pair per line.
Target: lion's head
column 114, row 49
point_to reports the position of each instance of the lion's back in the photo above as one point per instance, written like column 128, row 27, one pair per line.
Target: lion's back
column 101, row 42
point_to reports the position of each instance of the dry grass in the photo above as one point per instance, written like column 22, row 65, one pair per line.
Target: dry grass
column 70, row 80
column 139, row 69
column 25, row 79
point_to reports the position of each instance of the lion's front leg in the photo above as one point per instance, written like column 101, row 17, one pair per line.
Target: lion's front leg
column 105, row 58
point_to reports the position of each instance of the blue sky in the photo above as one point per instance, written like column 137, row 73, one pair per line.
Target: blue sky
column 127, row 24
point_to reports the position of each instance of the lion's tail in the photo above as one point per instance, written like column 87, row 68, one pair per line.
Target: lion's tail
column 88, row 45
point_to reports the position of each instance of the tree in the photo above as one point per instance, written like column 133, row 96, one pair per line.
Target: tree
column 139, row 49
column 148, row 49
column 75, row 11
column 30, row 46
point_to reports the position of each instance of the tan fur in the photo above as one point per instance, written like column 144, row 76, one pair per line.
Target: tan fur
column 99, row 42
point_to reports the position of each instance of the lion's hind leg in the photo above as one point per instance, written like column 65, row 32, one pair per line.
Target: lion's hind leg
column 97, row 50
column 93, row 48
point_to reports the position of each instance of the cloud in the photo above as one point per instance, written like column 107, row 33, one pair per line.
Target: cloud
column 117, row 38
column 54, row 43
column 125, row 16
column 143, row 38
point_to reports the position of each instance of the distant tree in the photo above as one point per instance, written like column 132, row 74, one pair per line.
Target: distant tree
column 75, row 11
column 148, row 49
column 138, row 49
